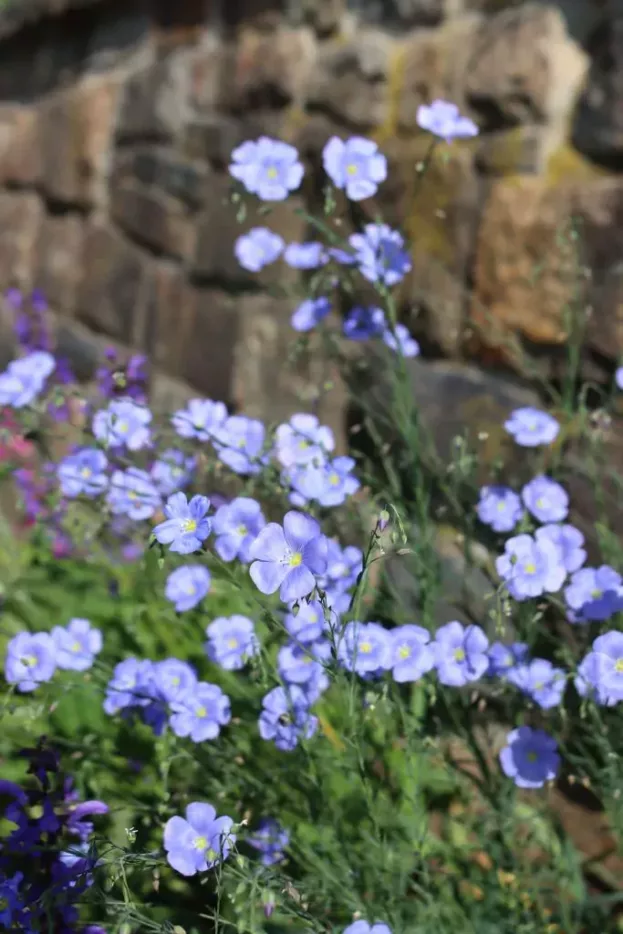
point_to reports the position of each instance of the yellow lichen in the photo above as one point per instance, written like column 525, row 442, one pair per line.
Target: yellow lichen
column 395, row 83
column 567, row 164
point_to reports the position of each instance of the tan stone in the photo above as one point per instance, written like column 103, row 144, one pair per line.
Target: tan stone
column 154, row 102
column 20, row 155
column 153, row 218
column 273, row 68
column 524, row 67
column 59, row 260
column 20, row 219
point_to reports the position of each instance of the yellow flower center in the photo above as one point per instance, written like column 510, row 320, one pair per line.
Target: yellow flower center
column 459, row 655
column 272, row 172
column 132, row 494
column 530, row 568
column 202, row 712
column 232, row 643
column 86, row 472
column 76, row 647
column 28, row 660
column 365, row 647
column 351, row 169
column 122, row 427
column 501, row 506
column 296, row 559
column 404, row 651
column 303, row 444
column 618, row 665
column 211, row 855
column 334, row 479
column 242, row 530
column 597, row 593
column 540, row 502
column 175, row 681
column 189, row 525
column 200, row 843
column 190, row 590
column 532, row 756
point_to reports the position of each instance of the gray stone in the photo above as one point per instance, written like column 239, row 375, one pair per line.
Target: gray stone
column 155, row 101
column 598, row 124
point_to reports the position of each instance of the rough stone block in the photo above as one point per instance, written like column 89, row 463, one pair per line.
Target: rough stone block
column 58, row 268
column 163, row 170
column 271, row 69
column 20, row 156
column 598, row 123
column 21, row 215
column 154, row 103
column 153, row 219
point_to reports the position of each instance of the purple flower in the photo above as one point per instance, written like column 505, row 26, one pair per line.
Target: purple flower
column 443, row 119
column 530, row 757
column 270, row 839
column 77, row 645
column 200, row 841
column 172, row 471
column 499, row 507
column 569, row 542
column 186, row 525
column 236, row 526
column 307, row 624
column 200, row 712
column 30, row 660
column 173, row 678
column 303, row 440
column 411, row 655
column 187, row 586
column 540, row 680
column 24, row 379
column 380, row 254
column 285, row 717
column 618, row 377
column 286, row 559
column 545, row 499
column 240, row 445
column 83, row 473
column 201, row 419
column 355, row 166
column 363, row 927
column 327, row 484
column 11, row 903
column 76, row 823
column 130, row 685
column 364, row 322
column 310, row 313
column 532, row 427
column 365, row 648
column 267, row 168
column 344, row 565
column 131, row 493
column 231, row 641
column 530, row 567
column 296, row 664
column 460, row 654
column 305, row 255
column 594, row 594
column 601, row 672
column 123, row 424
column 258, row 248
column 401, row 341
column 504, row 658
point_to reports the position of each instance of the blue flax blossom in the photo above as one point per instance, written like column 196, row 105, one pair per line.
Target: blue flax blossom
column 288, row 558
column 460, row 654
column 199, row 841
column 588, row 681
column 540, row 680
column 240, row 445
column 12, row 908
column 231, row 641
column 236, row 525
column 310, row 313
column 545, row 499
column 186, row 525
column 412, row 656
column 531, row 427
column 602, row 670
column 364, row 322
column 499, row 508
column 618, row 377
column 530, row 757
column 530, row 567
column 344, row 565
column 267, row 168
column 355, row 166
column 200, row 712
column 187, row 586
column 568, row 540
column 296, row 664
column 328, row 484
column 364, row 927
column 309, row 255
column 306, row 625
column 83, row 473
column 76, row 645
column 443, row 119
column 303, row 440
column 258, row 248
column 286, row 718
column 594, row 594
column 380, row 254
column 24, row 379
column 172, row 471
column 365, row 648
column 132, row 494
column 133, row 689
column 400, row 341
column 30, row 660
column 270, row 840
column 200, row 420
column 172, row 679
column 503, row 659
column 123, row 424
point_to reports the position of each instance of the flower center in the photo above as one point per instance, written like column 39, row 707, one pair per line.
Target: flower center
column 211, row 855
column 190, row 590
column 76, row 647
column 501, row 506
column 532, row 756
column 459, row 655
column 295, row 560
column 272, row 172
column 132, row 494
column 122, row 427
column 365, row 647
column 200, row 843
column 86, row 472
column 242, row 530
column 232, row 643
column 351, row 169
column 404, row 651
column 540, row 502
column 303, row 444
column 618, row 665
column 201, row 712
column 334, row 479
column 29, row 661
column 189, row 525
column 597, row 593
column 530, row 568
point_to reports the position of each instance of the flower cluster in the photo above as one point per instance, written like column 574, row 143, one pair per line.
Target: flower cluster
column 32, row 658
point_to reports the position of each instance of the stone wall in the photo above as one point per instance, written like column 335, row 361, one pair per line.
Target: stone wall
column 117, row 118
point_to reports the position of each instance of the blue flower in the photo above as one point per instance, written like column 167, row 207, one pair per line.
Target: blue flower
column 130, row 685
column 296, row 664
column 411, row 654
column 401, row 341
column 531, row 427
column 240, row 445
column 530, row 757
column 231, row 641
column 285, row 717
column 258, row 248
column 270, row 839
column 303, row 440
column 588, row 681
column 200, row 712
column 363, row 322
column 545, row 499
column 344, row 565
column 307, row 624
column 362, row 927
column 499, row 507
column 443, row 119
column 83, row 473
column 186, row 525
column 172, row 679
column 198, row 842
column 77, row 645
column 131, row 493
column 601, row 672
column 11, row 903
column 540, row 680
column 172, row 471
column 618, row 377
column 355, row 166
column 460, row 654
column 123, row 424
column 569, row 542
column 380, row 254
column 305, row 255
column 236, row 525
column 187, row 586
column 365, row 648
column 267, row 168
column 594, row 594
column 30, row 660
column 328, row 484
column 288, row 558
column 24, row 379
column 310, row 313
column 504, row 658
column 530, row 568
column 201, row 419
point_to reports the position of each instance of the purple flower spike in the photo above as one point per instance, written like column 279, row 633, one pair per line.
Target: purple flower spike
column 287, row 559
